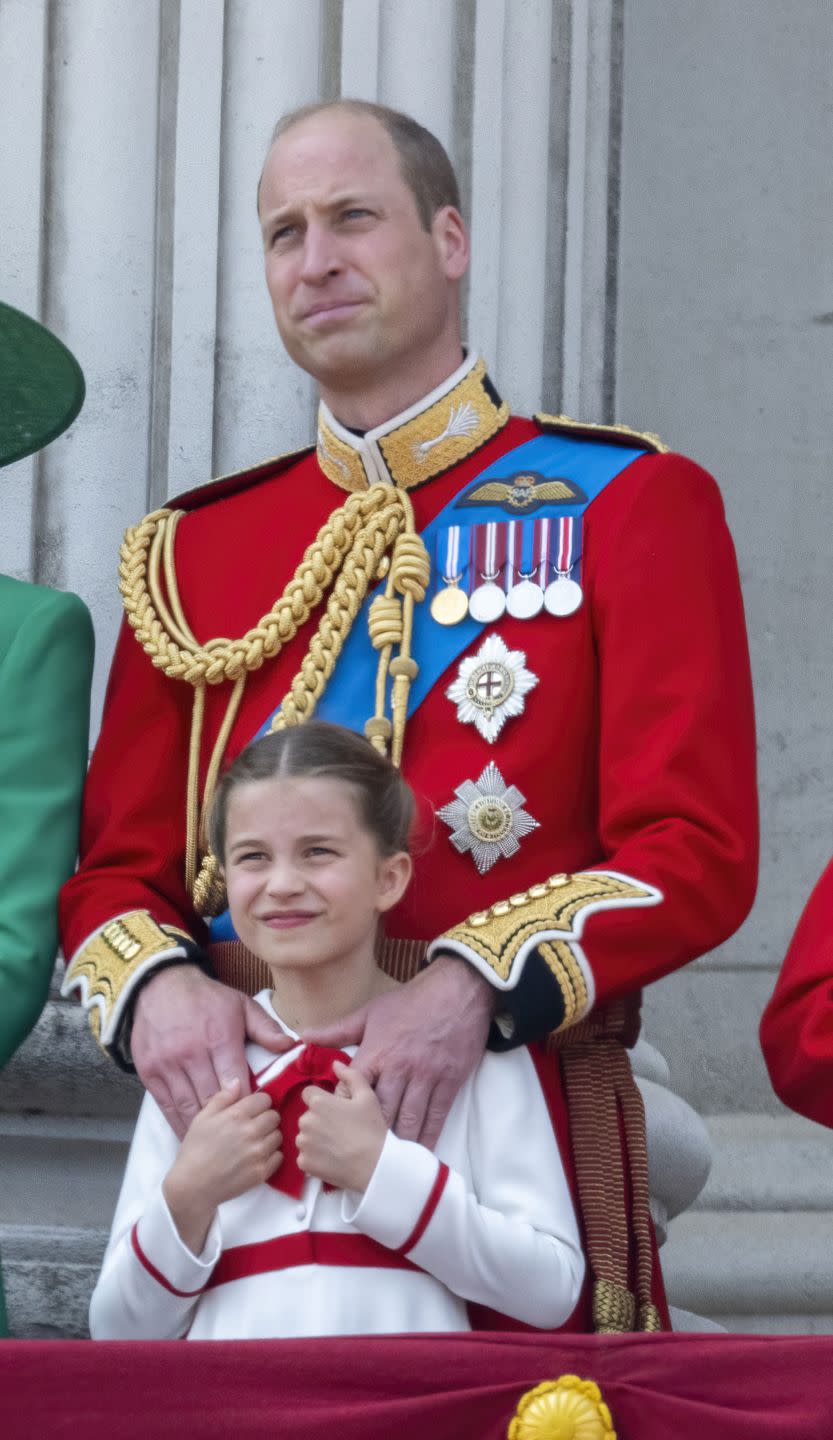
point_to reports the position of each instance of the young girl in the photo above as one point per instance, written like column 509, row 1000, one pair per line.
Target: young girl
column 248, row 1230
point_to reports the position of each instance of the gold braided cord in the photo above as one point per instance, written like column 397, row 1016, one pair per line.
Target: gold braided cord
column 192, row 788
column 349, row 552
column 217, row 757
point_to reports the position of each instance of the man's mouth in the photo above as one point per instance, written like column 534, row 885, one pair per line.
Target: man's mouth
column 331, row 311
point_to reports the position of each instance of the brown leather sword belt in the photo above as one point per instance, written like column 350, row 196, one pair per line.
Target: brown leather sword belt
column 607, row 1127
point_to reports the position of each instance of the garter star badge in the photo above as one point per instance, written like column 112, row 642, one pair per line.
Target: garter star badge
column 487, row 818
column 490, row 687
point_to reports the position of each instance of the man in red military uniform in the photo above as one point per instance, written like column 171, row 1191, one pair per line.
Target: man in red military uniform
column 571, row 700
column 797, row 1025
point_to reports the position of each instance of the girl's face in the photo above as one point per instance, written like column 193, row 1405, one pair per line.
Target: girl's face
column 305, row 880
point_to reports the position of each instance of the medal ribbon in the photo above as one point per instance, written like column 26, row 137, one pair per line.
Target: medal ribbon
column 513, row 554
column 489, row 551
column 541, row 551
column 565, row 551
column 448, row 553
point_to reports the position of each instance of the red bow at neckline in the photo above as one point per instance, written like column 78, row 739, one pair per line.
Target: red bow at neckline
column 313, row 1066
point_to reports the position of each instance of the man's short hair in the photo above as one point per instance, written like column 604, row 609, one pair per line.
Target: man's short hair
column 426, row 168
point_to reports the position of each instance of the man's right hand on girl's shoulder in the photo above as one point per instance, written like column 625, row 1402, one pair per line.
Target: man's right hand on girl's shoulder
column 188, row 1039
column 233, row 1144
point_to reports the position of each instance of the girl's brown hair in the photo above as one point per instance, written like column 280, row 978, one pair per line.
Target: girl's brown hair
column 318, row 750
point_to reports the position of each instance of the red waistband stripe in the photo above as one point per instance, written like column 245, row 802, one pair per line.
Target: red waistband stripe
column 307, row 1247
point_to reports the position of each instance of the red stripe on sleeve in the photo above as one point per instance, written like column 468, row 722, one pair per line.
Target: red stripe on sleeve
column 427, row 1211
column 157, row 1274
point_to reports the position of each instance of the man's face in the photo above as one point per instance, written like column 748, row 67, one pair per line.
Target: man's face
column 358, row 286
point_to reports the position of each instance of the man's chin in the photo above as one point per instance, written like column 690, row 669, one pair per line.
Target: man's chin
column 340, row 360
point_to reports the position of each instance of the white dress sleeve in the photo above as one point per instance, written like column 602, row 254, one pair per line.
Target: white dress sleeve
column 150, row 1282
column 509, row 1239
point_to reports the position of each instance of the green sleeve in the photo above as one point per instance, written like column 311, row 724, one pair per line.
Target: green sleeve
column 46, row 655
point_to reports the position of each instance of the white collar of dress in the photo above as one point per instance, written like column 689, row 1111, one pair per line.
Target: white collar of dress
column 428, row 438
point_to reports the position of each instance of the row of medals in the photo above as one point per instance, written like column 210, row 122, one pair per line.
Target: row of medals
column 489, row 601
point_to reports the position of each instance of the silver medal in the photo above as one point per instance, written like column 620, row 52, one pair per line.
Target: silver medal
column 487, row 603
column 487, row 819
column 525, row 600
column 563, row 596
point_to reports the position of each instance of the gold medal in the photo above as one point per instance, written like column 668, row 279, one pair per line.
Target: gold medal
column 449, row 606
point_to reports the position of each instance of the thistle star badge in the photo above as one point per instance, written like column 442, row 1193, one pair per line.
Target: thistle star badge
column 490, row 687
column 487, row 818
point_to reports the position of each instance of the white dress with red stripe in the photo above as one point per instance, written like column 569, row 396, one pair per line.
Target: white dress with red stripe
column 486, row 1218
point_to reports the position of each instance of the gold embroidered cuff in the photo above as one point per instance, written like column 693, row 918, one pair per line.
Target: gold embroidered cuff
column 548, row 919
column 105, row 970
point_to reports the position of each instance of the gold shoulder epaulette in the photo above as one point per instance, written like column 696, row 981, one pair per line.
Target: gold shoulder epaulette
column 236, row 480
column 613, row 434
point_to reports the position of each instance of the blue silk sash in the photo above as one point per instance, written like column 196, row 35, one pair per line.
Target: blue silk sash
column 589, row 465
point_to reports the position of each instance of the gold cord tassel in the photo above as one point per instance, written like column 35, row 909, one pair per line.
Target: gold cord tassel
column 372, row 532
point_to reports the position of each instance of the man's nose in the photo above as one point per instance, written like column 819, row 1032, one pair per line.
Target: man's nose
column 320, row 254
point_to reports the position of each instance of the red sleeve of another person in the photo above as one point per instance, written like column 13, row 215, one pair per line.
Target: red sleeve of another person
column 797, row 1026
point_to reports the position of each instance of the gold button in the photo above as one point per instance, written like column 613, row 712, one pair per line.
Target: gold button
column 480, row 917
column 501, row 908
column 555, row 882
column 537, row 892
column 518, row 900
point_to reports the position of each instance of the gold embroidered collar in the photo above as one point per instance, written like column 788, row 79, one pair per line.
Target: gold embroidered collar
column 439, row 431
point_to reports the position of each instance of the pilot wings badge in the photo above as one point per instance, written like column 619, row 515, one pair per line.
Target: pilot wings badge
column 523, row 494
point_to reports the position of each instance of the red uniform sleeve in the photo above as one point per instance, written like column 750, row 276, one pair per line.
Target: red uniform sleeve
column 131, row 852
column 677, row 782
column 797, row 1025
column 677, row 798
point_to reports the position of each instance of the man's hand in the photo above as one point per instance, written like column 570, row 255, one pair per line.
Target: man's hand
column 233, row 1144
column 340, row 1137
column 188, row 1040
column 418, row 1043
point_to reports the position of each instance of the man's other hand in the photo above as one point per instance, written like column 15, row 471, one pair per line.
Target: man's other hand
column 188, row 1039
column 418, row 1043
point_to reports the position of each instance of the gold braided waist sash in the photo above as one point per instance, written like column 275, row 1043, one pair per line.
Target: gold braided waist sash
column 607, row 1129
column 236, row 966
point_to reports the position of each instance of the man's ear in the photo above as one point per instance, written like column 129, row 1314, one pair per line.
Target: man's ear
column 452, row 240
column 394, row 875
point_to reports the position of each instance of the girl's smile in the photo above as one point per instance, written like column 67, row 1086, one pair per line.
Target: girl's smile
column 306, row 885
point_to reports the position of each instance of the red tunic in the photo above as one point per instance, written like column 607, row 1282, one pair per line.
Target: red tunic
column 797, row 1025
column 635, row 751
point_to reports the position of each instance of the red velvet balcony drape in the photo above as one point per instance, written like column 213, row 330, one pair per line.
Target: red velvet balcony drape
column 449, row 1387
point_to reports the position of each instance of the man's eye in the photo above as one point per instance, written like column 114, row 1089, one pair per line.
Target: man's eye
column 355, row 213
column 283, row 234
column 249, row 857
column 315, row 850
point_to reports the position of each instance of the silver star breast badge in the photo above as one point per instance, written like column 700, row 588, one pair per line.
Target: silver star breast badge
column 487, row 818
column 490, row 687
